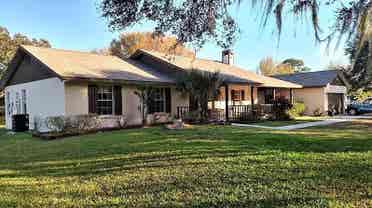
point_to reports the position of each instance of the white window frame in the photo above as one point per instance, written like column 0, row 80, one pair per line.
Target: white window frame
column 24, row 101
column 8, row 103
column 160, row 98
column 112, row 100
column 18, row 103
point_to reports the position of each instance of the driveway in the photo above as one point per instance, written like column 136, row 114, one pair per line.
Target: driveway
column 347, row 117
column 328, row 121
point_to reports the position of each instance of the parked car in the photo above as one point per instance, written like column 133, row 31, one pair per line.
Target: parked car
column 360, row 107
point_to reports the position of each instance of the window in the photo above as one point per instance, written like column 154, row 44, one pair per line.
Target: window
column 238, row 95
column 158, row 103
column 8, row 105
column 18, row 103
column 24, row 102
column 105, row 100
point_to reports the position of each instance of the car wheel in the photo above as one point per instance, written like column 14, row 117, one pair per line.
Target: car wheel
column 353, row 112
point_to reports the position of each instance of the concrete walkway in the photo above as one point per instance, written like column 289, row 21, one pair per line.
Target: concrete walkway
column 297, row 126
column 366, row 116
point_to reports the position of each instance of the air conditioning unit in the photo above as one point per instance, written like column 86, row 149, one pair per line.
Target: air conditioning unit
column 20, row 122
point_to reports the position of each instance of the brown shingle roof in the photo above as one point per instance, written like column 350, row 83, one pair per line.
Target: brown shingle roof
column 74, row 64
column 82, row 65
column 231, row 73
column 312, row 79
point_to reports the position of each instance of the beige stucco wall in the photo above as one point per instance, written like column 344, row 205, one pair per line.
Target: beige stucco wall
column 131, row 104
column 313, row 98
column 283, row 93
column 77, row 101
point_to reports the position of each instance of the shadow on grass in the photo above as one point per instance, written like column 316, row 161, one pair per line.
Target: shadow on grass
column 208, row 166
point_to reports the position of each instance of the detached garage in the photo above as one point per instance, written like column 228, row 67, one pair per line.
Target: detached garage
column 322, row 91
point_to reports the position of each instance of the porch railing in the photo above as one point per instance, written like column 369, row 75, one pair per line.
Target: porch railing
column 236, row 112
column 240, row 112
column 214, row 115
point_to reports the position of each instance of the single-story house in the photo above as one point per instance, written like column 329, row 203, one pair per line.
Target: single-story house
column 322, row 90
column 44, row 82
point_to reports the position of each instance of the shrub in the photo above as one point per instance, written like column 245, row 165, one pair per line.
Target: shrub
column 248, row 116
column 192, row 116
column 361, row 95
column 158, row 118
column 56, row 123
column 280, row 110
column 86, row 122
column 317, row 112
column 80, row 124
column 298, row 109
column 38, row 123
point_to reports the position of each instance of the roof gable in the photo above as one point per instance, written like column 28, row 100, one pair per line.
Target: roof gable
column 73, row 64
column 28, row 70
column 232, row 74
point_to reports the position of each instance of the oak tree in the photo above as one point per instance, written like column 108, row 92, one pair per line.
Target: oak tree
column 198, row 21
column 9, row 44
column 128, row 43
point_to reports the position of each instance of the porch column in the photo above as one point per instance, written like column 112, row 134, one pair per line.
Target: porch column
column 291, row 95
column 252, row 98
column 227, row 102
column 274, row 94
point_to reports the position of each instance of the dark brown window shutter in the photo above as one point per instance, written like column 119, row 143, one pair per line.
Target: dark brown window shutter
column 92, row 98
column 232, row 95
column 118, row 100
column 243, row 95
column 168, row 100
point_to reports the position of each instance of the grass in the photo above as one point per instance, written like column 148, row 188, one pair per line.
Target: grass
column 205, row 166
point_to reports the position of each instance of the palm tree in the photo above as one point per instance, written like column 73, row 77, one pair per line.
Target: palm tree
column 202, row 87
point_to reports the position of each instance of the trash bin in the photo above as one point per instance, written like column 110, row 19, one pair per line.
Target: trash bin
column 20, row 122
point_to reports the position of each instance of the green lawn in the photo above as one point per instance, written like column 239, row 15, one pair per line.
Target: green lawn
column 205, row 166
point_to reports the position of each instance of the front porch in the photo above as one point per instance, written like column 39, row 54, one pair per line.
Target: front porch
column 243, row 103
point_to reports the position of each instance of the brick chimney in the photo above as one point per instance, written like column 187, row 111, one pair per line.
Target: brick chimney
column 228, row 57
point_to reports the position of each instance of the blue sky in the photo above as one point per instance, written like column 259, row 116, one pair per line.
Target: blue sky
column 77, row 25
